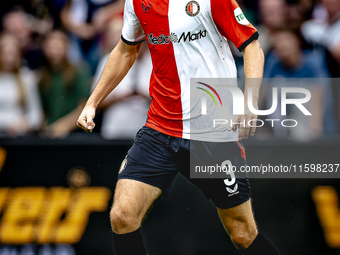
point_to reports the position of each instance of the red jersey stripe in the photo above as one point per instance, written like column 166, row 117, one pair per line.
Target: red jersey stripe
column 166, row 105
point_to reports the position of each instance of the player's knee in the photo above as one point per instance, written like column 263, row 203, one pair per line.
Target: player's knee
column 243, row 238
column 123, row 221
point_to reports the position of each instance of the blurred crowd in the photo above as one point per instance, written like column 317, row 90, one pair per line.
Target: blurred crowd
column 52, row 53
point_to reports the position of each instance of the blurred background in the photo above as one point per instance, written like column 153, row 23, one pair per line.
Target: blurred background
column 56, row 182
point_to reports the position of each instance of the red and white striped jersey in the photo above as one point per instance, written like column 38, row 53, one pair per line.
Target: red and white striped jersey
column 187, row 39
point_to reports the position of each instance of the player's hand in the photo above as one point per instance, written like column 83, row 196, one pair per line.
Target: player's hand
column 85, row 120
column 246, row 123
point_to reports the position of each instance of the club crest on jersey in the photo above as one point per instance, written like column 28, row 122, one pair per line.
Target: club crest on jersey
column 192, row 8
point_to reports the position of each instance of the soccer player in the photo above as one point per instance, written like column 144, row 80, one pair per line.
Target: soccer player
column 187, row 39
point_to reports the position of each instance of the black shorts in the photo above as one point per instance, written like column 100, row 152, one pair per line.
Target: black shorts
column 156, row 158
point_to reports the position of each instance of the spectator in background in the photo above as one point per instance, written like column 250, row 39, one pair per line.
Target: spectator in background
column 20, row 108
column 86, row 19
column 126, row 107
column 323, row 32
column 272, row 16
column 291, row 62
column 324, row 29
column 39, row 16
column 55, row 9
column 23, row 26
column 16, row 23
column 5, row 6
column 63, row 87
column 307, row 7
column 295, row 16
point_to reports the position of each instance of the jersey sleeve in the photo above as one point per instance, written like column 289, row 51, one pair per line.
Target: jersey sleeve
column 132, row 32
column 232, row 24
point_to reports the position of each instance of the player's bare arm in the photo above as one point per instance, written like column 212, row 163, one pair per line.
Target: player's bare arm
column 253, row 69
column 119, row 63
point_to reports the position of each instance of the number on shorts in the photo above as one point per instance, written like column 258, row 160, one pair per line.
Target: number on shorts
column 229, row 171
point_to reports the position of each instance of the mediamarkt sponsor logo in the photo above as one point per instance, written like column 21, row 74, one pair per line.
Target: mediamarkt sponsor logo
column 162, row 39
column 158, row 40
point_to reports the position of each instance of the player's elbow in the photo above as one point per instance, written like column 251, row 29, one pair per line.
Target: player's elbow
column 127, row 51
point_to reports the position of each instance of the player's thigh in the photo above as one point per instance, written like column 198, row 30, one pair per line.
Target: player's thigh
column 239, row 222
column 225, row 185
column 133, row 198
